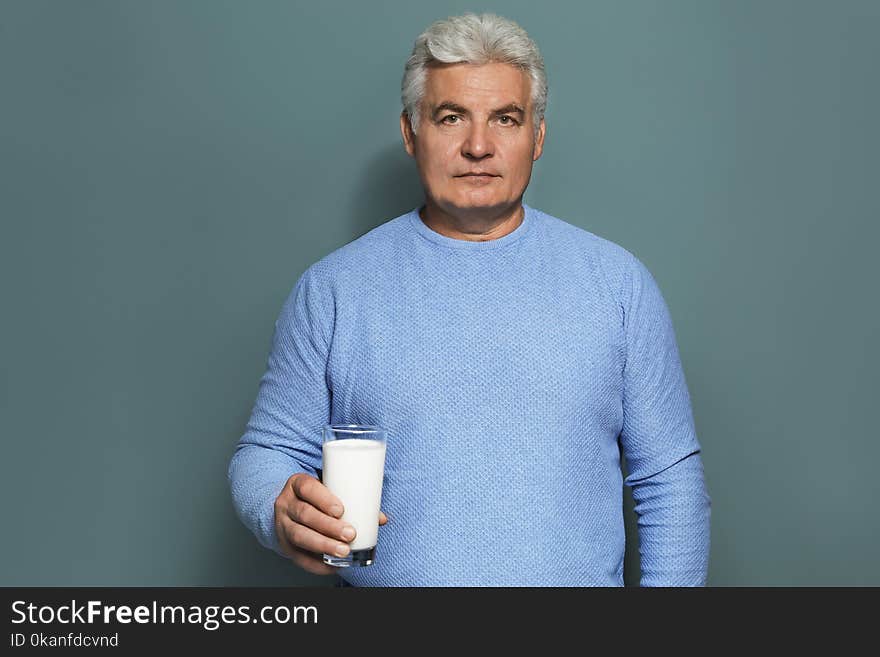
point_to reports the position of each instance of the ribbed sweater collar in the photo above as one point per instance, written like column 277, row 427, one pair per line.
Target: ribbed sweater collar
column 529, row 218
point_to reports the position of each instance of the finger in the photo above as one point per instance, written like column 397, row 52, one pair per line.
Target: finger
column 312, row 563
column 305, row 538
column 382, row 518
column 305, row 514
column 283, row 542
column 318, row 495
column 309, row 562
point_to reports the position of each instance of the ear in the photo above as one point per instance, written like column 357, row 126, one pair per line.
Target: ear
column 409, row 137
column 539, row 141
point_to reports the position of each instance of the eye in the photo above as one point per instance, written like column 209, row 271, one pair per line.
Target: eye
column 510, row 120
column 449, row 116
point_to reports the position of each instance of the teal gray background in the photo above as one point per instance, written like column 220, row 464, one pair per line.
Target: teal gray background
column 169, row 169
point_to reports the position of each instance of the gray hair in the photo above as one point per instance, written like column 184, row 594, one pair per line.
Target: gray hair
column 473, row 39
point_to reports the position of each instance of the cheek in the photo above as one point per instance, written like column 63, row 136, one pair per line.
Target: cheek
column 438, row 163
column 523, row 161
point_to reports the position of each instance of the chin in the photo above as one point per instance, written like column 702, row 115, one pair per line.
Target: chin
column 476, row 205
column 481, row 200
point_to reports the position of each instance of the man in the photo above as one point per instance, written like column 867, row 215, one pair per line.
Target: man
column 507, row 352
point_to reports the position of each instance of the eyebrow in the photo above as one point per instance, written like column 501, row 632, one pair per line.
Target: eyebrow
column 510, row 108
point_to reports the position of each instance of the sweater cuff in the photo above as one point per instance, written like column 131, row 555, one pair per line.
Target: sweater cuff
column 255, row 487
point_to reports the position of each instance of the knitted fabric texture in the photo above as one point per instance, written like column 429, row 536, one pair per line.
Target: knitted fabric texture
column 510, row 373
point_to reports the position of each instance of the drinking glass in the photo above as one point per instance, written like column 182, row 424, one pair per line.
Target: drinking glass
column 353, row 467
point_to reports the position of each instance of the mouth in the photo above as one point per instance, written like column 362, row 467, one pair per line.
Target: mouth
column 477, row 179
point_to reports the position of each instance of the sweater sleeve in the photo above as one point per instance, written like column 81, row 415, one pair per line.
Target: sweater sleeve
column 660, row 443
column 283, row 434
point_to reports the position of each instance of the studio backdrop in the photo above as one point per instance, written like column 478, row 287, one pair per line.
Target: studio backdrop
column 168, row 170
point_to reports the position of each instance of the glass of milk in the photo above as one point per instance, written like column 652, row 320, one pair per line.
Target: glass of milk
column 353, row 467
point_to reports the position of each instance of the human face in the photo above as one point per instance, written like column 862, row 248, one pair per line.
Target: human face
column 475, row 119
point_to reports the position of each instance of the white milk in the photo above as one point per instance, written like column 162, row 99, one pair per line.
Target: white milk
column 353, row 470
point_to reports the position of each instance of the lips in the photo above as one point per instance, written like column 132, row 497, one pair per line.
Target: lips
column 477, row 179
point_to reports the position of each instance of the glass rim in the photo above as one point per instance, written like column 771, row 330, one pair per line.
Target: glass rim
column 355, row 428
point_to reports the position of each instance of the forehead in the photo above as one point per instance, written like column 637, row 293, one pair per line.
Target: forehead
column 496, row 84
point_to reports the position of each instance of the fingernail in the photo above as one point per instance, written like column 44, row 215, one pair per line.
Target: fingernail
column 348, row 533
column 341, row 550
column 336, row 510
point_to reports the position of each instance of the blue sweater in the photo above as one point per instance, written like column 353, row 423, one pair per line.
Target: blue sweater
column 510, row 374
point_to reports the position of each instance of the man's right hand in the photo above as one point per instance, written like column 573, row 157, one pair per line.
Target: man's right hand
column 307, row 523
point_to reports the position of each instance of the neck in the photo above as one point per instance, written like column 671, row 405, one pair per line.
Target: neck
column 478, row 225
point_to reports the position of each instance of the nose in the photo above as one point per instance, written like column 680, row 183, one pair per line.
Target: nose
column 478, row 142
